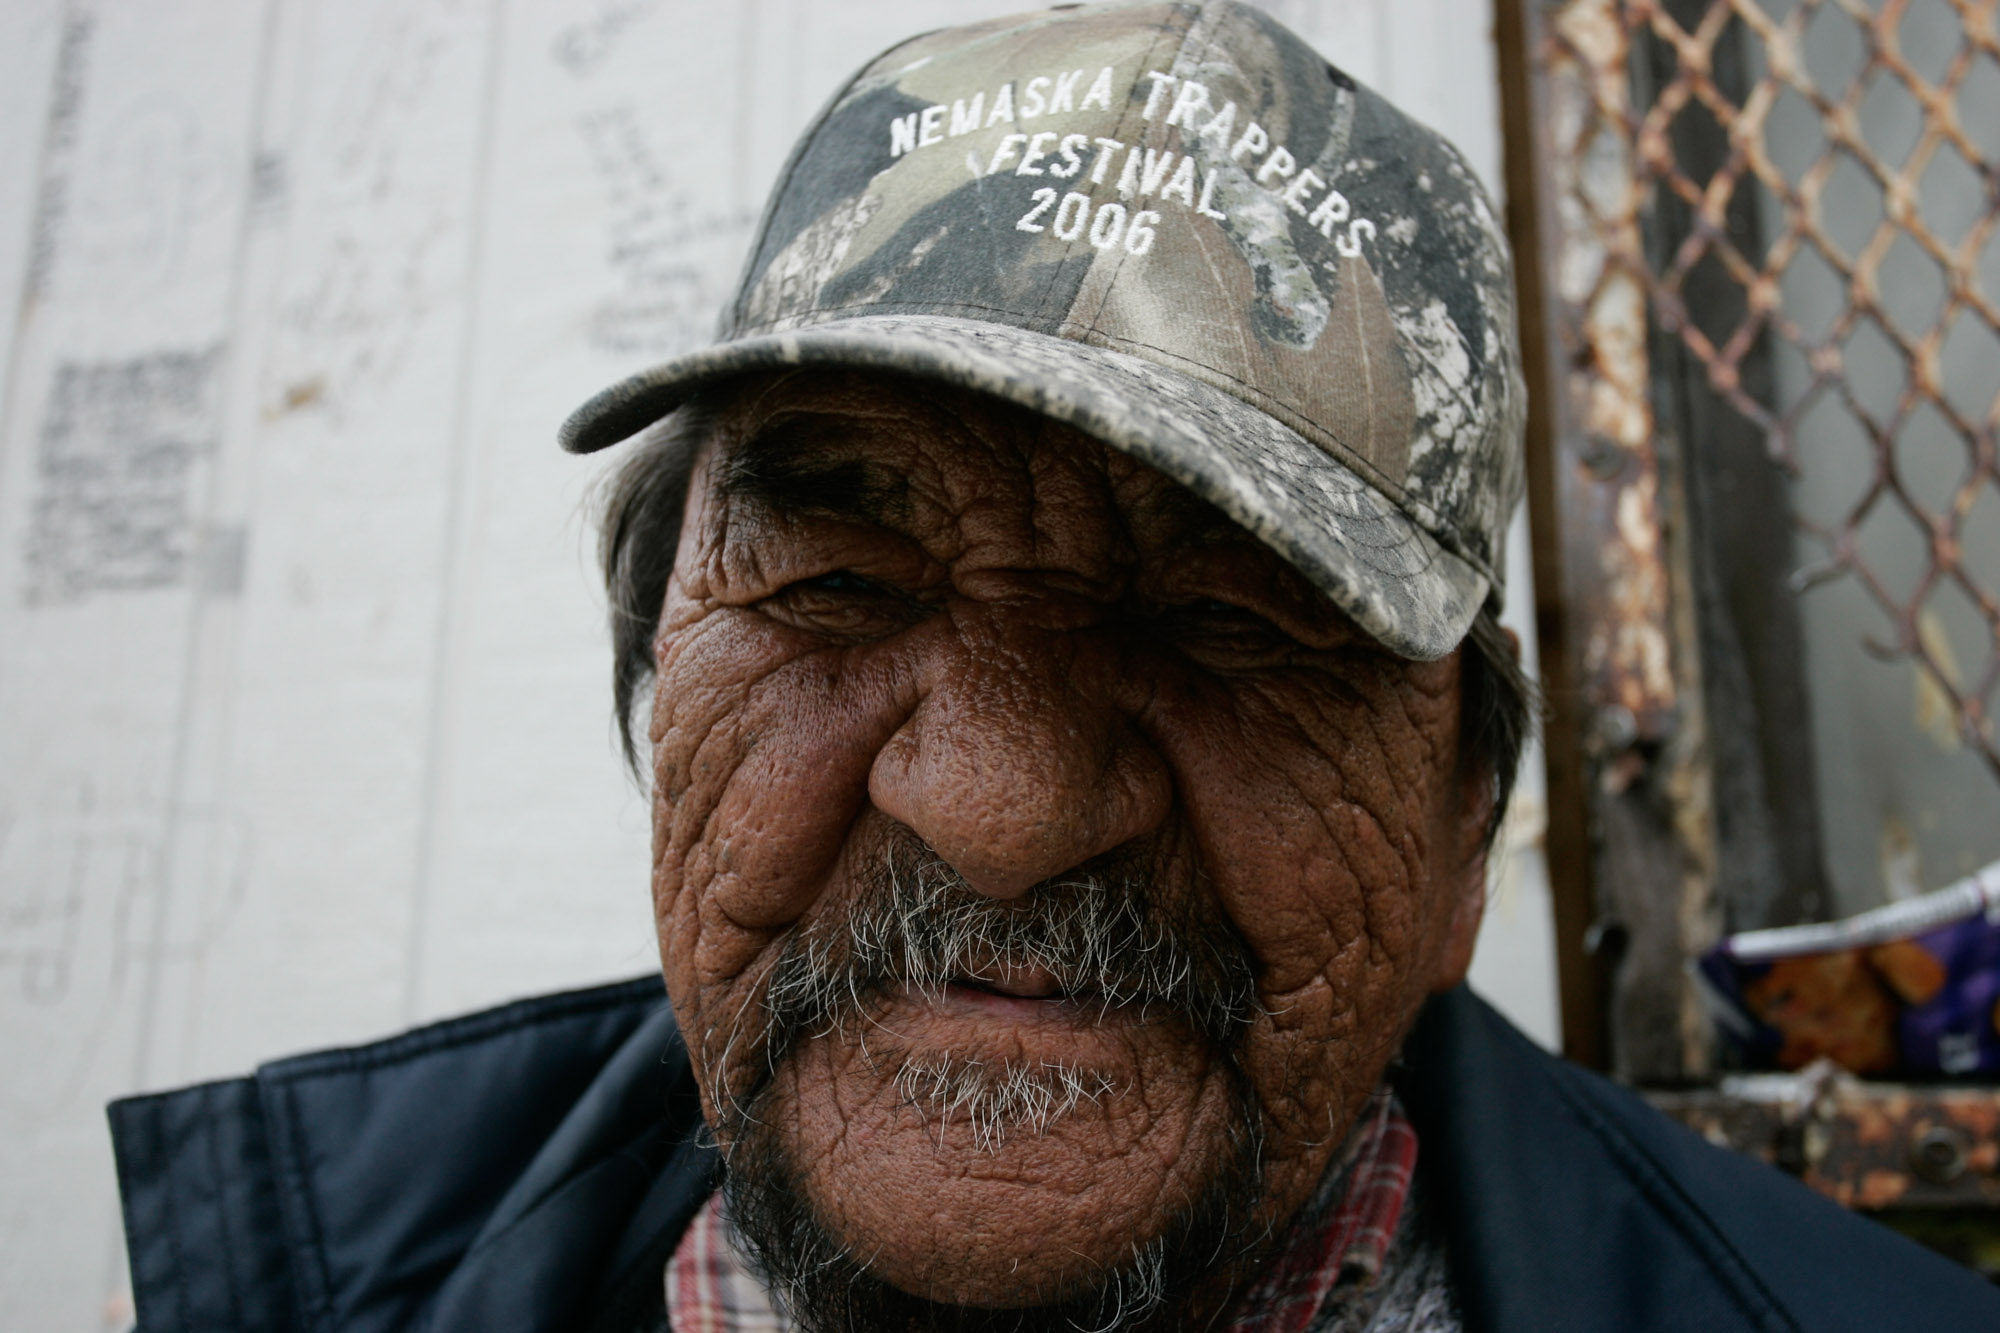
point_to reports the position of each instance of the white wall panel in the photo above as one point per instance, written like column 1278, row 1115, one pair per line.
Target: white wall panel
column 117, row 378
column 356, row 470
column 304, row 728
column 34, row 36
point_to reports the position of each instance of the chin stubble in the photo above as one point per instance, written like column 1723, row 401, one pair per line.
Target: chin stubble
column 916, row 928
column 995, row 1098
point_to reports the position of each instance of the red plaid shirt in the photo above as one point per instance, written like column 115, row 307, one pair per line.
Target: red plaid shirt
column 1353, row 1241
column 712, row 1289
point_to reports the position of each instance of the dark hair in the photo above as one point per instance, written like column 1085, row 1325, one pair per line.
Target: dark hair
column 1498, row 706
column 639, row 533
column 641, row 529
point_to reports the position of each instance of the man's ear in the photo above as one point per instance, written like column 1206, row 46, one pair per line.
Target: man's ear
column 1478, row 794
column 1465, row 888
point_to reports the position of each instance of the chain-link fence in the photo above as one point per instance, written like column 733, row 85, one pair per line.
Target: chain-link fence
column 1849, row 196
column 1762, row 239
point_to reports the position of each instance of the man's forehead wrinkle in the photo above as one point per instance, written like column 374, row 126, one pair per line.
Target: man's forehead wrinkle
column 736, row 554
column 999, row 479
column 1174, row 510
column 1044, row 519
column 1064, row 522
column 811, row 462
column 698, row 557
column 1065, row 470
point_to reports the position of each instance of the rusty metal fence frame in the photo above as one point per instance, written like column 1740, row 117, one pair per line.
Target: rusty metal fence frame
column 1652, row 302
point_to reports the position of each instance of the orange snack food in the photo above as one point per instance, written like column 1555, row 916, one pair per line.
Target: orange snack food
column 1912, row 971
column 1827, row 1004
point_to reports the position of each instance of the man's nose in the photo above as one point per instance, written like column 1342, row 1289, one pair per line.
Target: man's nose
column 1019, row 762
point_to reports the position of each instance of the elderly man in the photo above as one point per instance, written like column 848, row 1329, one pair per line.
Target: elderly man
column 1078, row 721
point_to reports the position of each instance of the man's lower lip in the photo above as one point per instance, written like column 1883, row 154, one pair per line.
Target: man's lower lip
column 1054, row 1010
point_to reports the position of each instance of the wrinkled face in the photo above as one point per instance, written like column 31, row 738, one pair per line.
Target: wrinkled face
column 961, row 717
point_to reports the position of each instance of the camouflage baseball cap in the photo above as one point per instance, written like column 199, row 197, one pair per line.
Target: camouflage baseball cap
column 1177, row 228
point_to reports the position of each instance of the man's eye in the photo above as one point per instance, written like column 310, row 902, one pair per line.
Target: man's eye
column 1208, row 626
column 1213, row 612
column 843, row 602
column 840, row 580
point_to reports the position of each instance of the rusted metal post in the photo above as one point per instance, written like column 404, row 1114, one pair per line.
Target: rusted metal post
column 1581, row 979
column 1693, row 55
column 1625, row 682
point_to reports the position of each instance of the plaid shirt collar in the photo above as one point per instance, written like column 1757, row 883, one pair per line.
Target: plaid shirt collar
column 1350, row 1242
column 711, row 1287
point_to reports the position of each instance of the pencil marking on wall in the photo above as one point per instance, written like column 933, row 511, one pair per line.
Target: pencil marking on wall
column 387, row 90
column 112, row 506
column 387, row 254
column 68, row 878
column 674, row 259
column 270, row 185
column 584, row 46
column 78, row 863
column 352, row 328
column 153, row 180
column 39, row 913
column 65, row 110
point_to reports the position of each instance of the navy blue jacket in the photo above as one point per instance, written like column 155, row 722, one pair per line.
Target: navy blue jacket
column 531, row 1168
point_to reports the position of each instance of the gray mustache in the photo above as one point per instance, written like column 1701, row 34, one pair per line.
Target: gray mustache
column 1110, row 933
column 1101, row 932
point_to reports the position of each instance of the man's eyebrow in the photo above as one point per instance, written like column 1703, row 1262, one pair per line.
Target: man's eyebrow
column 1190, row 518
column 799, row 464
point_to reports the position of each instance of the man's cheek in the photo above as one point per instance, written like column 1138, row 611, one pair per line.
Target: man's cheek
column 1312, row 1067
column 1321, row 812
column 810, row 732
column 760, row 781
column 1279, row 837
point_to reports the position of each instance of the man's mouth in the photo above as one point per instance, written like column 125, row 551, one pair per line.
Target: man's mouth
column 1031, row 995
column 1019, row 983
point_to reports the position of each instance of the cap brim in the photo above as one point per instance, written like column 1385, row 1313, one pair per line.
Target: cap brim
column 1397, row 582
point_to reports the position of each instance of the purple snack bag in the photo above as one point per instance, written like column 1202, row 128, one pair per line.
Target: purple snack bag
column 1952, row 1029
column 1911, row 988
